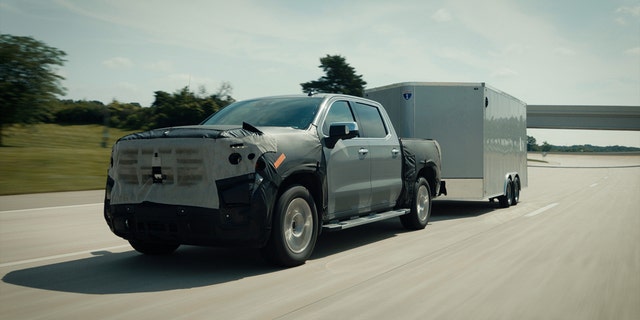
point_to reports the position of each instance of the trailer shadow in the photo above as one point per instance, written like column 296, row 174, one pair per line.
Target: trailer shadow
column 454, row 209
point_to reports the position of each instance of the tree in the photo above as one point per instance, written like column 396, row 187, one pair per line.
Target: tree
column 532, row 144
column 339, row 77
column 186, row 108
column 28, row 79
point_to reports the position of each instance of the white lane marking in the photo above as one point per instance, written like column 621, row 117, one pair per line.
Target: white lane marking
column 541, row 210
column 53, row 208
column 59, row 256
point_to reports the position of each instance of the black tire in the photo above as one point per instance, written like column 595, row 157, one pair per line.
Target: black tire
column 154, row 249
column 515, row 195
column 506, row 200
column 295, row 228
column 420, row 213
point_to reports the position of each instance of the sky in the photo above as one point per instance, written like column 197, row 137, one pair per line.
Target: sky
column 569, row 52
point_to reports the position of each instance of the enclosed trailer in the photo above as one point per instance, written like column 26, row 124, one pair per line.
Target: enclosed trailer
column 482, row 132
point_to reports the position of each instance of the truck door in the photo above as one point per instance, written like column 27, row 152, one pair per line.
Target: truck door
column 348, row 167
column 384, row 154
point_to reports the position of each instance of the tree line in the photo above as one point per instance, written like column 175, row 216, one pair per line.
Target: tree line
column 546, row 147
column 183, row 107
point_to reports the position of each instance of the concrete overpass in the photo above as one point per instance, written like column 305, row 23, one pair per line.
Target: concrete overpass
column 583, row 117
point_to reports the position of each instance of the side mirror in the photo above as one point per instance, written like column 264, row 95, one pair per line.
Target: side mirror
column 343, row 130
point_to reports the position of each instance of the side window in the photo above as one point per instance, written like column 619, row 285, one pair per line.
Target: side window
column 339, row 112
column 370, row 121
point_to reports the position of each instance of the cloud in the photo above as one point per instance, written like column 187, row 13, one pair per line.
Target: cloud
column 564, row 51
column 632, row 11
column 129, row 87
column 624, row 13
column 504, row 72
column 118, row 63
column 633, row 51
column 160, row 66
column 442, row 15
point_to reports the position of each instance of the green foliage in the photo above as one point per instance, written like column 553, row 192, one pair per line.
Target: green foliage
column 28, row 80
column 546, row 147
column 180, row 108
column 590, row 148
column 79, row 112
column 531, row 144
column 339, row 77
column 185, row 107
column 128, row 116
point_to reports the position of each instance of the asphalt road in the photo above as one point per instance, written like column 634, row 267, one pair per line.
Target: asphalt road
column 569, row 250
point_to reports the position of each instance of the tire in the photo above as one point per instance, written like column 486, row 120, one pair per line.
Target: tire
column 295, row 228
column 507, row 199
column 154, row 249
column 420, row 213
column 516, row 192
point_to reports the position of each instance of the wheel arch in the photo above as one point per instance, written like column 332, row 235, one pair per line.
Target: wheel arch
column 430, row 173
column 309, row 180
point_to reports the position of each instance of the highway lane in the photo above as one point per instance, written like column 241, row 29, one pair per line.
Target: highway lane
column 569, row 250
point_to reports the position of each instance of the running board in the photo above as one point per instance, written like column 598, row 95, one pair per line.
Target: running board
column 346, row 224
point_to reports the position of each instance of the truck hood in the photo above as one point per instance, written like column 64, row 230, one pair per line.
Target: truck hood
column 246, row 132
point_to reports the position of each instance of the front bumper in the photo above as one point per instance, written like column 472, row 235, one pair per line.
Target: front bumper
column 242, row 220
column 158, row 223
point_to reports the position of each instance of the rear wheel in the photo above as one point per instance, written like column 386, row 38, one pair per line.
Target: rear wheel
column 420, row 207
column 153, row 248
column 516, row 192
column 507, row 199
column 295, row 228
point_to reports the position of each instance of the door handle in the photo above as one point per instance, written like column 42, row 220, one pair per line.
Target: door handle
column 395, row 152
column 363, row 151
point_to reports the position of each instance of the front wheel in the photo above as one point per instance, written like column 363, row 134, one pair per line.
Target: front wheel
column 420, row 207
column 153, row 248
column 295, row 228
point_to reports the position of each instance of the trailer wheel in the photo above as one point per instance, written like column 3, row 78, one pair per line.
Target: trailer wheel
column 154, row 249
column 507, row 199
column 516, row 191
column 420, row 207
column 295, row 228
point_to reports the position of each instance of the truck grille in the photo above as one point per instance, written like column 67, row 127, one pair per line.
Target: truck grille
column 178, row 166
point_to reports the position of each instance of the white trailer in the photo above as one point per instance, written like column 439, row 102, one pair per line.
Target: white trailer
column 482, row 132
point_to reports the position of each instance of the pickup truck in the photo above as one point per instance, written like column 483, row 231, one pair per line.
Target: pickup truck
column 269, row 173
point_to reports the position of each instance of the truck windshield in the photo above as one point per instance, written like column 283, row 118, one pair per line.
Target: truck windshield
column 295, row 112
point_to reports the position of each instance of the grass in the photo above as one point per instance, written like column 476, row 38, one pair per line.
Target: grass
column 51, row 158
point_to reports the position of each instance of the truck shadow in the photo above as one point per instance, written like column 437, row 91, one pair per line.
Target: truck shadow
column 190, row 267
column 131, row 272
